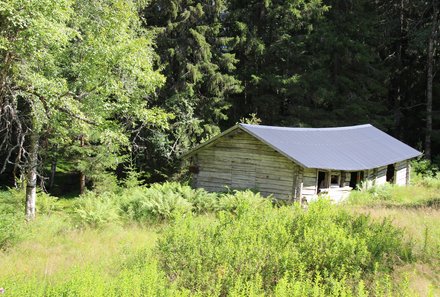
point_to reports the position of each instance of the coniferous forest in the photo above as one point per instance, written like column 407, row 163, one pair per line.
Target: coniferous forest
column 102, row 86
column 100, row 98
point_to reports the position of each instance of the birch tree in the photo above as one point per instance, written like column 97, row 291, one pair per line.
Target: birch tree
column 72, row 68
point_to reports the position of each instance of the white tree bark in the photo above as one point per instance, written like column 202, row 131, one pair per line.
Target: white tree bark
column 31, row 178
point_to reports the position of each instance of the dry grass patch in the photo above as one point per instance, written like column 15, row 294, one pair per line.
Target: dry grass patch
column 52, row 247
column 422, row 227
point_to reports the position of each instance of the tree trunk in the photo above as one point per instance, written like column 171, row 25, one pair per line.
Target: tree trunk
column 397, row 83
column 31, row 176
column 82, row 176
column 430, row 78
column 53, row 169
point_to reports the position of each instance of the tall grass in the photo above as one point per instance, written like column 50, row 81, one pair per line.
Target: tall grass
column 415, row 195
column 171, row 240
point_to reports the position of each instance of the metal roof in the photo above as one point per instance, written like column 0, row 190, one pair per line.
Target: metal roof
column 344, row 148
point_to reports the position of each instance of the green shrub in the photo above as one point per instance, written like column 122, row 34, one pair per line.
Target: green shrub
column 373, row 194
column 153, row 204
column 382, row 192
column 260, row 243
column 96, row 211
column 162, row 201
column 47, row 204
column 11, row 217
column 239, row 201
column 202, row 201
column 427, row 182
column 424, row 168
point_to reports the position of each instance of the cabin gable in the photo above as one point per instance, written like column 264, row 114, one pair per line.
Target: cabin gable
column 240, row 161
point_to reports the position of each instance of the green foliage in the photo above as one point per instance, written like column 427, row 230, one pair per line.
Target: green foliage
column 259, row 243
column 11, row 218
column 201, row 201
column 250, row 247
column 146, row 280
column 96, row 211
column 77, row 74
column 239, row 201
column 424, row 168
column 422, row 193
column 383, row 192
column 152, row 204
column 196, row 52
column 428, row 182
column 252, row 119
column 46, row 204
column 163, row 201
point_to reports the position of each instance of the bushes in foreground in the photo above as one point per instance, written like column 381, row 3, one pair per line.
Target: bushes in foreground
column 248, row 248
column 149, row 280
column 253, row 249
column 279, row 249
column 158, row 203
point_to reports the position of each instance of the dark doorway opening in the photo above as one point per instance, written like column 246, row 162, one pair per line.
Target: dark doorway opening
column 354, row 179
column 322, row 180
column 390, row 173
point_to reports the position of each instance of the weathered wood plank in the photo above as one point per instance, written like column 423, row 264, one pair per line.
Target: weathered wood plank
column 309, row 181
column 242, row 161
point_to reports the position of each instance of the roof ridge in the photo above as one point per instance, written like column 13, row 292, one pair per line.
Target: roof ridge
column 307, row 128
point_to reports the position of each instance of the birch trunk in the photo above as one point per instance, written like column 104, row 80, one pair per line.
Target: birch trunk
column 31, row 178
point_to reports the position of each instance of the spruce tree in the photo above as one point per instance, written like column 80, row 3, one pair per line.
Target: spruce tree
column 196, row 56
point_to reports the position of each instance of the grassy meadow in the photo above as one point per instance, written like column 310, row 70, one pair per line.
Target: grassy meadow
column 171, row 240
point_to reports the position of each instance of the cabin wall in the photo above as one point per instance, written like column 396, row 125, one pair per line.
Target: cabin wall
column 309, row 186
column 240, row 161
column 381, row 176
column 378, row 176
column 401, row 173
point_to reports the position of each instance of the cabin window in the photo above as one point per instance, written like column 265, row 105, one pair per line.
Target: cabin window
column 390, row 173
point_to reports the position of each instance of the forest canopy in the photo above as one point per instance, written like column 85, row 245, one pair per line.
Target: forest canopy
column 91, row 91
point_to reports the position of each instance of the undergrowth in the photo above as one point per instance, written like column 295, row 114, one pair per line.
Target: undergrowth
column 265, row 247
column 209, row 244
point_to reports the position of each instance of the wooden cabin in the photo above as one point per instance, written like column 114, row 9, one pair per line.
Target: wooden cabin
column 300, row 163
